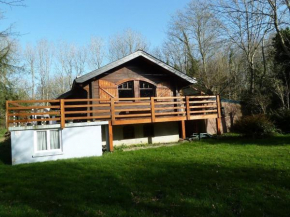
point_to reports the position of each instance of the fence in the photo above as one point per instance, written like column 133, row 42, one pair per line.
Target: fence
column 119, row 111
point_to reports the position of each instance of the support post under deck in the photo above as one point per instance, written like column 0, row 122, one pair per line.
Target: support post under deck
column 218, row 126
column 110, row 129
column 218, row 120
column 183, row 134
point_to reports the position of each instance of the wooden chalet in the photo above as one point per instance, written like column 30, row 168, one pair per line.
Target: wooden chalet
column 139, row 95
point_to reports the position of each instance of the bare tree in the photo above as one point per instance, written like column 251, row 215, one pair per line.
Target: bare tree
column 96, row 52
column 287, row 2
column 176, row 55
column 13, row 2
column 80, row 60
column 282, row 92
column 30, row 60
column 279, row 18
column 194, row 33
column 204, row 29
column 245, row 28
column 275, row 15
column 157, row 52
column 125, row 43
column 65, row 58
column 44, row 65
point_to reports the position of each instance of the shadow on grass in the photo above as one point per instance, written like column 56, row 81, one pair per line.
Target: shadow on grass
column 140, row 185
column 166, row 182
column 5, row 152
column 280, row 140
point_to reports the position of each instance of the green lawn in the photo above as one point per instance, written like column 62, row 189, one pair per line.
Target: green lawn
column 218, row 177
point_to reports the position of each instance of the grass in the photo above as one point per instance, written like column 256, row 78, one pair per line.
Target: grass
column 230, row 176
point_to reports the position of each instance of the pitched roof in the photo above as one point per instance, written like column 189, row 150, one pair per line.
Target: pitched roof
column 126, row 59
column 65, row 95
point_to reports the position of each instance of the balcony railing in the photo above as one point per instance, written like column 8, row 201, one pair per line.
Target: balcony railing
column 118, row 111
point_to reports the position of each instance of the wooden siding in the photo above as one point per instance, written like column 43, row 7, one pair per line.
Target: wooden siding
column 107, row 86
column 107, row 89
column 164, row 90
column 95, row 89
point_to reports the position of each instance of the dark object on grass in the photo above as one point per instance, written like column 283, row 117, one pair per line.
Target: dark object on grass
column 199, row 136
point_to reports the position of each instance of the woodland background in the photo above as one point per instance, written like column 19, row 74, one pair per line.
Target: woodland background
column 239, row 49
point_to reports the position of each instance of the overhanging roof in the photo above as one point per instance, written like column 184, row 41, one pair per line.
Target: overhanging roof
column 126, row 59
column 65, row 95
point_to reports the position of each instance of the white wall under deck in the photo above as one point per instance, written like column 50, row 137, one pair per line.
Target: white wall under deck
column 77, row 140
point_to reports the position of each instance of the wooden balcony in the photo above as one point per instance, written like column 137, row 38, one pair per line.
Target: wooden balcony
column 118, row 111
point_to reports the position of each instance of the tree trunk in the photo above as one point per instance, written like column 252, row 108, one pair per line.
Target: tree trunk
column 252, row 75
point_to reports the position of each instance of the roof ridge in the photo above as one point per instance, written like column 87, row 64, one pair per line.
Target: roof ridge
column 128, row 58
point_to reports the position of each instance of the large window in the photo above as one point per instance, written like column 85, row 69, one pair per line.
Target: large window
column 126, row 90
column 146, row 89
column 131, row 89
column 47, row 140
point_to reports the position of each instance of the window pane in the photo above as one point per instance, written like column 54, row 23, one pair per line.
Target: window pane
column 41, row 141
column 147, row 89
column 147, row 93
column 126, row 94
column 126, row 90
column 54, row 139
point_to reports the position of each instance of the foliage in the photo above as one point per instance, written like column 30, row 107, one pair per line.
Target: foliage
column 254, row 126
column 202, row 178
column 2, row 132
column 256, row 103
column 282, row 68
column 281, row 119
column 280, row 56
column 8, row 90
column 227, row 46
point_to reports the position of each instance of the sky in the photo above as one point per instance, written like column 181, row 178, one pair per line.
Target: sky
column 75, row 21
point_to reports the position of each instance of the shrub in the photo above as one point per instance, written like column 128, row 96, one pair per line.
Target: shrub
column 281, row 119
column 254, row 126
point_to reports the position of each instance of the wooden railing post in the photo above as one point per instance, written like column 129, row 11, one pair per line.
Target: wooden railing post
column 187, row 108
column 62, row 114
column 7, row 117
column 218, row 120
column 152, row 109
column 113, row 110
column 218, row 102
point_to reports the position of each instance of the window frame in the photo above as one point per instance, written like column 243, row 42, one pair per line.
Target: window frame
column 151, row 87
column 136, row 87
column 49, row 151
column 132, row 89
